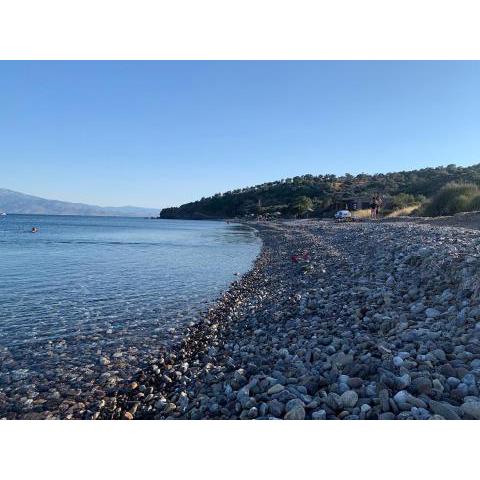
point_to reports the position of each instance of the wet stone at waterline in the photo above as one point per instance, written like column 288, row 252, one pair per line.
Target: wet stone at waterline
column 87, row 301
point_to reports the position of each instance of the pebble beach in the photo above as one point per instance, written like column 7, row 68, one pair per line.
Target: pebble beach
column 367, row 320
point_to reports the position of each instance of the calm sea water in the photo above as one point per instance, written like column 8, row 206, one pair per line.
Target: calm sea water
column 85, row 288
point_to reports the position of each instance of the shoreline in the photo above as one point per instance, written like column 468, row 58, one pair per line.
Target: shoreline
column 63, row 363
column 376, row 321
column 197, row 338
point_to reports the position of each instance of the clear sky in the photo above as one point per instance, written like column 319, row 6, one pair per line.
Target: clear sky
column 163, row 133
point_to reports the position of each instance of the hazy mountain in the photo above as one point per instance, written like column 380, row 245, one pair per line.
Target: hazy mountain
column 16, row 202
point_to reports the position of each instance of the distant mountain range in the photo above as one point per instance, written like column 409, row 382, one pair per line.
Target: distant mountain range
column 16, row 202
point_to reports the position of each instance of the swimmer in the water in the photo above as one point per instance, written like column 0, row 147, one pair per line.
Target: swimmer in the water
column 34, row 229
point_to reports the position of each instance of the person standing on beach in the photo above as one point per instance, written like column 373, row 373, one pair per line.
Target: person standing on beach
column 373, row 207
column 379, row 204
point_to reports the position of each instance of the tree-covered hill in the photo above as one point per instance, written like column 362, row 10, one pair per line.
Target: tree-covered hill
column 322, row 194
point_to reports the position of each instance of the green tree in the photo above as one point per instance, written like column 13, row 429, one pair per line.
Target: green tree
column 302, row 205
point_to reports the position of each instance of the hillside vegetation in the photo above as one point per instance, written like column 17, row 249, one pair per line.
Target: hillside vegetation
column 321, row 195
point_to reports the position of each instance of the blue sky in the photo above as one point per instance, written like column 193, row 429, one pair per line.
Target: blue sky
column 163, row 133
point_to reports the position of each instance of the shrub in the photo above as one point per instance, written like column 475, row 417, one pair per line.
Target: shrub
column 452, row 198
column 403, row 200
column 474, row 204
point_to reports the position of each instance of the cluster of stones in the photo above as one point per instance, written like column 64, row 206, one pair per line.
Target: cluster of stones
column 357, row 321
column 62, row 378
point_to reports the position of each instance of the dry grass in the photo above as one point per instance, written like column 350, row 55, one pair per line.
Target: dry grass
column 402, row 212
column 365, row 213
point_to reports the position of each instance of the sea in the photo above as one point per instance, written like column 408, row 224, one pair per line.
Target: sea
column 85, row 301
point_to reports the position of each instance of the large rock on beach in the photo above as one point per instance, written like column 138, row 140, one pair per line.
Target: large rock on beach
column 472, row 409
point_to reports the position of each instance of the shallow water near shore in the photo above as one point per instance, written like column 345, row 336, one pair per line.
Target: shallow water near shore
column 84, row 300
